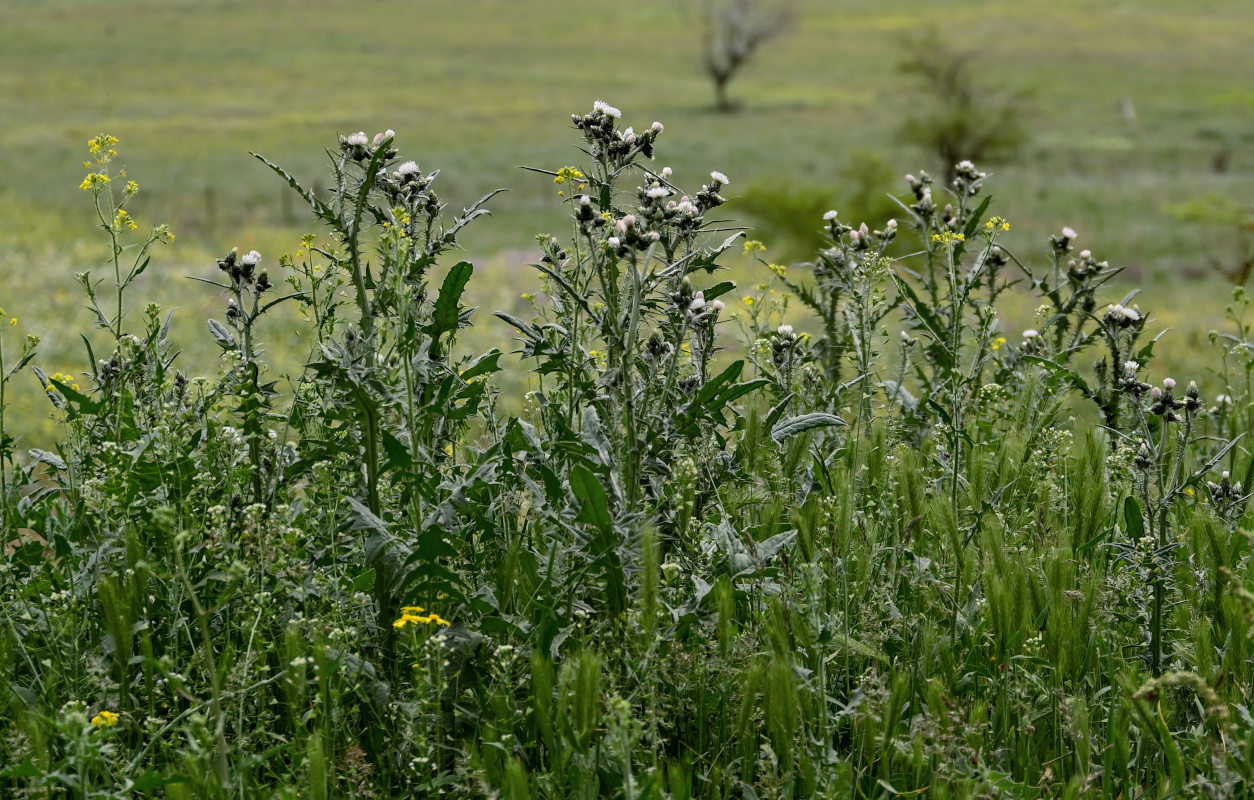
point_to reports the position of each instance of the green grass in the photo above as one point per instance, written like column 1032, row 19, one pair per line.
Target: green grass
column 709, row 558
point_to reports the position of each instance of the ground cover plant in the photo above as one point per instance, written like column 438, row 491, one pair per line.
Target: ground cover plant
column 716, row 555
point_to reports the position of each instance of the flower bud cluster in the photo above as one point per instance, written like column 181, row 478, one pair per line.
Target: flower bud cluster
column 360, row 148
column 243, row 272
column 606, row 141
column 967, row 179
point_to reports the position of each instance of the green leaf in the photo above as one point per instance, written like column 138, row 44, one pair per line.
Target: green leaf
column 364, row 582
column 1133, row 519
column 792, row 426
column 594, row 505
column 447, row 313
column 483, row 365
column 225, row 339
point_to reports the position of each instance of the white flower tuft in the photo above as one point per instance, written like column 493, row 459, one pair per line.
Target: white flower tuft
column 831, row 215
column 251, row 259
column 667, row 172
column 698, row 302
column 784, row 330
column 1031, row 333
column 606, row 109
column 719, row 177
column 717, row 305
column 408, row 168
column 657, row 127
column 358, row 139
column 658, row 192
column 1069, row 233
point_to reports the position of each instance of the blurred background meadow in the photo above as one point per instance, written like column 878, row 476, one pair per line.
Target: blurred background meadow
column 1131, row 122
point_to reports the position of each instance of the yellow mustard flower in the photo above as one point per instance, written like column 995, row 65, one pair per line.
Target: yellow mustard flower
column 753, row 245
column 105, row 719
column 568, row 174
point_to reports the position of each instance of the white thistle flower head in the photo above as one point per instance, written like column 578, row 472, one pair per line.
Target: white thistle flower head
column 1069, row 233
column 1226, row 475
column 717, row 305
column 657, row 127
column 613, row 241
column 1131, row 367
column 251, row 258
column 830, row 215
column 1031, row 333
column 1086, row 254
column 408, row 168
column 629, row 220
column 606, row 109
column 658, row 192
column 784, row 330
column 698, row 302
column 621, row 226
column 719, row 177
column 966, row 165
column 667, row 172
column 654, row 236
column 892, row 224
column 358, row 139
column 585, row 200
column 1169, row 383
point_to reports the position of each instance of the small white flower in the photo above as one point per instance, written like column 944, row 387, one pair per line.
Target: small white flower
column 251, row 259
column 667, row 172
column 719, row 177
column 1031, row 333
column 1169, row 383
column 831, row 215
column 585, row 200
column 408, row 168
column 698, row 301
column 654, row 236
column 359, row 139
column 606, row 109
column 658, row 192
column 892, row 224
column 1086, row 254
column 1131, row 366
column 657, row 127
column 966, row 165
column 1068, row 233
column 717, row 305
column 784, row 330
column 613, row 241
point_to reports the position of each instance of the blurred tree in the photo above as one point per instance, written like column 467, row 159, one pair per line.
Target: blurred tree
column 963, row 120
column 734, row 30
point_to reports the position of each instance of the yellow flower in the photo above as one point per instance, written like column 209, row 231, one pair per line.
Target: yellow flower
column 412, row 609
column 568, row 174
column 748, row 300
column 998, row 342
column 94, row 180
column 778, row 269
column 408, row 618
column 754, row 245
column 105, row 719
column 949, row 237
column 131, row 187
column 12, row 321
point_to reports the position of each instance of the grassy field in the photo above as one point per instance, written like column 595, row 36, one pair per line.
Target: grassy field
column 940, row 536
column 479, row 88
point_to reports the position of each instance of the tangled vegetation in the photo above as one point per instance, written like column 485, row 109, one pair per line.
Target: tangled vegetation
column 910, row 553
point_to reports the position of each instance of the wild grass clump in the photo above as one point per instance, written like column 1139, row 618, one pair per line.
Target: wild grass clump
column 905, row 551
